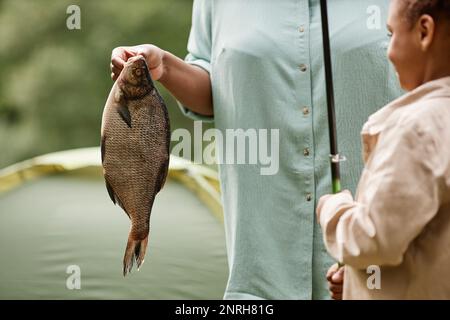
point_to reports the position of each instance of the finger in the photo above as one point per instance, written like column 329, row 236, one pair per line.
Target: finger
column 130, row 53
column 336, row 288
column 114, row 76
column 338, row 277
column 112, row 66
column 331, row 271
column 115, row 70
column 117, row 62
column 153, row 56
column 140, row 53
column 336, row 296
column 118, row 52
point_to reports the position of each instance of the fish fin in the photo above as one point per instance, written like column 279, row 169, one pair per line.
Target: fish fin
column 135, row 251
column 114, row 198
column 124, row 114
column 102, row 147
column 162, row 176
column 110, row 191
column 122, row 108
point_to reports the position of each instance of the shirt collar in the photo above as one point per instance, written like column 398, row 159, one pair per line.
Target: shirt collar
column 377, row 121
column 432, row 89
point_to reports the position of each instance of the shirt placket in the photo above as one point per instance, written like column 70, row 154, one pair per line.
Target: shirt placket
column 306, row 143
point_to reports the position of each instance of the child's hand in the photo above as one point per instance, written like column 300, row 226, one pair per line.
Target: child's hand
column 335, row 275
column 335, row 278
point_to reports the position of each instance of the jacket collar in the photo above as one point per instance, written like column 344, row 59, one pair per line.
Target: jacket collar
column 377, row 121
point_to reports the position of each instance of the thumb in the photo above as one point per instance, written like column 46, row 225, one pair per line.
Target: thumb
column 331, row 271
column 129, row 52
column 338, row 277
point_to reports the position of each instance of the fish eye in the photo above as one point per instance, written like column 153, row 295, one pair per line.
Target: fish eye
column 138, row 72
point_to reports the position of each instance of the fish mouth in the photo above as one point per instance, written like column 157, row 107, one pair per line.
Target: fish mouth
column 137, row 58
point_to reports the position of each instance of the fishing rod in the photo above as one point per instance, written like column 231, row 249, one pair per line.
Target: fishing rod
column 335, row 158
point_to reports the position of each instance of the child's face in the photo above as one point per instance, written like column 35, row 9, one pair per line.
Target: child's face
column 405, row 49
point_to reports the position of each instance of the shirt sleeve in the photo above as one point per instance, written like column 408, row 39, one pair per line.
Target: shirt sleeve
column 397, row 200
column 199, row 47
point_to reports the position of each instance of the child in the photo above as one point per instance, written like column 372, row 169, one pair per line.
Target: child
column 400, row 218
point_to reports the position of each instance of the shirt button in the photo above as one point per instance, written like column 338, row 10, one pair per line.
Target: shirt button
column 305, row 111
column 309, row 197
column 306, row 152
column 303, row 67
column 301, row 29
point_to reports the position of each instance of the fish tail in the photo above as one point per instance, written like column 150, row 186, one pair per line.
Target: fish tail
column 135, row 251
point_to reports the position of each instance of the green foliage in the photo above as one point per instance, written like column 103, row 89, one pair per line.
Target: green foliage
column 54, row 81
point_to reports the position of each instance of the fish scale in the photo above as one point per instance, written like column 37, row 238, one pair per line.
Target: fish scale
column 135, row 151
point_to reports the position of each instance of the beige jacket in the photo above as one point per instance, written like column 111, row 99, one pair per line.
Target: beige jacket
column 400, row 219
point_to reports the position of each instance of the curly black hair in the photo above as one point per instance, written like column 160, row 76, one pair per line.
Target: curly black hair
column 438, row 9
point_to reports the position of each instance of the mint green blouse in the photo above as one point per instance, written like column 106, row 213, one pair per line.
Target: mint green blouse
column 266, row 66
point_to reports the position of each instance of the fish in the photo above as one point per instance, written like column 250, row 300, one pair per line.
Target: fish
column 135, row 141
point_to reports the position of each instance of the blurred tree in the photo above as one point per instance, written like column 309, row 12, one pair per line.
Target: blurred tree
column 54, row 81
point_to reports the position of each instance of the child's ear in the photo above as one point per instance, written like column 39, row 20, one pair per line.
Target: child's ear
column 426, row 27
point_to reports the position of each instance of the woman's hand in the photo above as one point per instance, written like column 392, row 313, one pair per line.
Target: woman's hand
column 189, row 84
column 151, row 53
